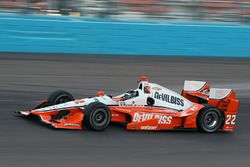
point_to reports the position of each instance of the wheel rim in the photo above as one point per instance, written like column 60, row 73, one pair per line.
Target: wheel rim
column 211, row 120
column 100, row 117
column 62, row 99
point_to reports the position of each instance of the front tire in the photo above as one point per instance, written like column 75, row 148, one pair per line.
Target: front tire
column 209, row 119
column 59, row 97
column 97, row 116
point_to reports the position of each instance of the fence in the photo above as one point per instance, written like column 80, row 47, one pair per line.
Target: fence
column 195, row 10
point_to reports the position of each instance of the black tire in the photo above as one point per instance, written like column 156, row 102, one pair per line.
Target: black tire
column 59, row 97
column 209, row 119
column 97, row 116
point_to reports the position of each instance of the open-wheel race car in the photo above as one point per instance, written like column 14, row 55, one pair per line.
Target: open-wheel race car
column 148, row 107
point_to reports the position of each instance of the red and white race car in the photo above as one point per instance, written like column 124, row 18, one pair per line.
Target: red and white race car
column 148, row 107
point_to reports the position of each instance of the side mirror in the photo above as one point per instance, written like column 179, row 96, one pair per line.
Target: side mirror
column 150, row 101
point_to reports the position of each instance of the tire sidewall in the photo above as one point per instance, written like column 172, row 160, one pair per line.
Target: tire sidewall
column 201, row 119
column 89, row 116
column 52, row 99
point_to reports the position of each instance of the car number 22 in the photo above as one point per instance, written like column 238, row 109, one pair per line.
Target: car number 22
column 230, row 119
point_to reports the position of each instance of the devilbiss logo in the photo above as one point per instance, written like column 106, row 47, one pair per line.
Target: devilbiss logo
column 169, row 99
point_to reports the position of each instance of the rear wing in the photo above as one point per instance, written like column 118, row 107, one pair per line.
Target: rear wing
column 196, row 91
column 194, row 86
column 217, row 93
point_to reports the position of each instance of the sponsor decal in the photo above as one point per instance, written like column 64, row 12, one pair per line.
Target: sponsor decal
column 79, row 101
column 147, row 89
column 194, row 108
column 70, row 124
column 162, row 119
column 149, row 127
column 156, row 88
column 169, row 98
column 122, row 103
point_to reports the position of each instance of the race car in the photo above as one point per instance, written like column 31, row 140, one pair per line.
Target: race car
column 148, row 107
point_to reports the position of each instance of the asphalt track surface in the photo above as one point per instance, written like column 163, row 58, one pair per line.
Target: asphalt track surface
column 25, row 79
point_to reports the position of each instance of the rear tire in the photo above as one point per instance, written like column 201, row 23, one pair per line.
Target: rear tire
column 209, row 119
column 97, row 116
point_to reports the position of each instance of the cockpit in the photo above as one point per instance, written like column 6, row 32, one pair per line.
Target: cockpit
column 130, row 94
column 133, row 93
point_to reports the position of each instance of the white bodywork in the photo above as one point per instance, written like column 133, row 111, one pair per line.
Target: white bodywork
column 217, row 93
column 161, row 96
column 193, row 86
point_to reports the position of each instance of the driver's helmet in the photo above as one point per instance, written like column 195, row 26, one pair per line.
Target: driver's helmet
column 130, row 94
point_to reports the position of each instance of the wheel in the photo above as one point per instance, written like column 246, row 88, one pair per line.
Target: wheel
column 209, row 119
column 97, row 116
column 56, row 97
column 59, row 97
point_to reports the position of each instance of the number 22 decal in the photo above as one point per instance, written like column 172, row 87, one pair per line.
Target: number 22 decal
column 230, row 120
